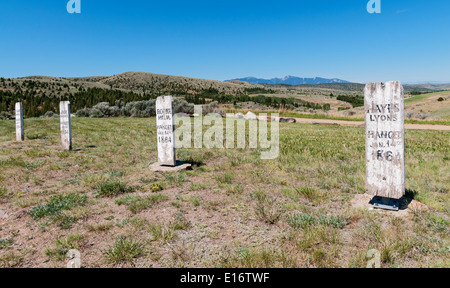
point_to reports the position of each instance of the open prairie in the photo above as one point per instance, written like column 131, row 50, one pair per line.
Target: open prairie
column 231, row 210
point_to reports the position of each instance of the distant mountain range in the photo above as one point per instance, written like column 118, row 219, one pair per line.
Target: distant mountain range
column 290, row 80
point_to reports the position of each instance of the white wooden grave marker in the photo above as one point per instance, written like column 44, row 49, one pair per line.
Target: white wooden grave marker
column 165, row 131
column 385, row 140
column 20, row 135
column 66, row 128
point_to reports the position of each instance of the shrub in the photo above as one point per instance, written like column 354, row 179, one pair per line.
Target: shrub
column 49, row 114
column 141, row 109
column 267, row 208
column 113, row 111
column 106, row 110
column 423, row 116
column 210, row 108
column 5, row 115
column 144, row 108
column 95, row 113
column 182, row 106
column 440, row 99
column 102, row 107
column 100, row 110
column 82, row 112
column 409, row 114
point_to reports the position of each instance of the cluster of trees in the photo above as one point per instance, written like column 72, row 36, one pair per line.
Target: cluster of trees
column 33, row 106
column 356, row 101
column 36, row 106
column 91, row 102
column 259, row 90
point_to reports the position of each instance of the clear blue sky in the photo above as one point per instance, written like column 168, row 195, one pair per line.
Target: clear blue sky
column 409, row 41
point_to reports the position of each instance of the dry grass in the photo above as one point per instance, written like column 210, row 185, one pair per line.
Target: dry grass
column 232, row 210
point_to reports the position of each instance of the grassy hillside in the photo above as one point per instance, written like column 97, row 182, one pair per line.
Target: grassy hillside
column 435, row 104
column 232, row 210
column 357, row 87
column 42, row 93
column 150, row 83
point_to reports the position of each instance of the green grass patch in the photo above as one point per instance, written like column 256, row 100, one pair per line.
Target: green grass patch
column 57, row 204
column 416, row 98
column 176, row 178
column 65, row 222
column 304, row 221
column 3, row 193
column 136, row 204
column 4, row 243
column 226, row 178
column 63, row 245
column 438, row 223
column 307, row 192
column 10, row 260
column 125, row 249
column 113, row 188
column 163, row 233
column 181, row 223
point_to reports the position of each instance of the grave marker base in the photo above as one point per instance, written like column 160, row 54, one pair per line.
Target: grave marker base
column 385, row 203
column 156, row 167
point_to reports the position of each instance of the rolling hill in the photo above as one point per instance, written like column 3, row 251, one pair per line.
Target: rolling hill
column 43, row 93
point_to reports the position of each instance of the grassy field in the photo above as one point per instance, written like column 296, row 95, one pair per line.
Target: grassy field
column 232, row 210
column 287, row 114
column 430, row 104
column 429, row 109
